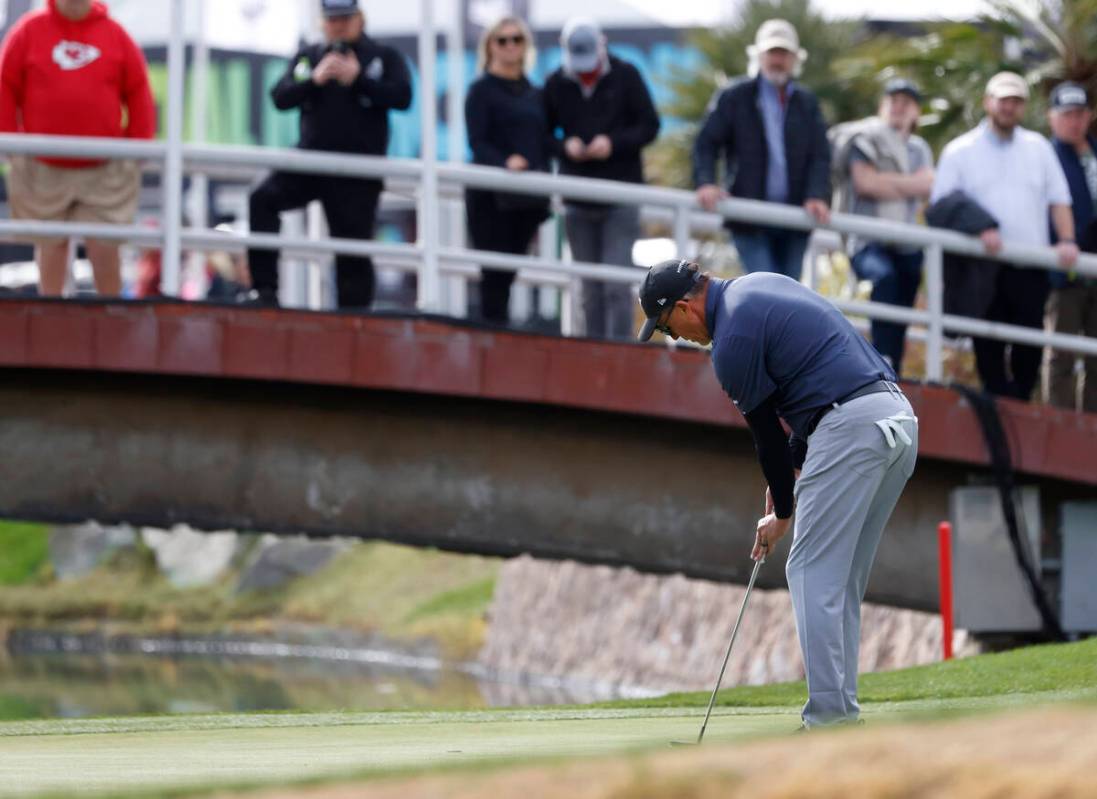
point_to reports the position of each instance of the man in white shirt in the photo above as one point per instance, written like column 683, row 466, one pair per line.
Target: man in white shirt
column 1014, row 174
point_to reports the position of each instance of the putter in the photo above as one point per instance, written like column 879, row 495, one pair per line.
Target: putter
column 731, row 643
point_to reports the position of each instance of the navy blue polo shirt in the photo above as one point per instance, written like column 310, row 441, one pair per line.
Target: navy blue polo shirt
column 771, row 336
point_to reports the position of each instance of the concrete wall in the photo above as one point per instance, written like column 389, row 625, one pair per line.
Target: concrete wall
column 462, row 474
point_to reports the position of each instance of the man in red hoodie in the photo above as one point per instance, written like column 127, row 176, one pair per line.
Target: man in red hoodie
column 70, row 70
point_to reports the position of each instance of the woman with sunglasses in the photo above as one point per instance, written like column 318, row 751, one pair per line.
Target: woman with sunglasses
column 506, row 126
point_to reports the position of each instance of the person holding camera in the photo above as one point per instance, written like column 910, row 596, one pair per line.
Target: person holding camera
column 344, row 88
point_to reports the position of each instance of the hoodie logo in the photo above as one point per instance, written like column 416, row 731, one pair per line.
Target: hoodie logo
column 74, row 55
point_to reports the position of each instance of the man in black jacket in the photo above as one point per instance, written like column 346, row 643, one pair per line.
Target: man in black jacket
column 773, row 135
column 1072, row 307
column 344, row 88
column 604, row 109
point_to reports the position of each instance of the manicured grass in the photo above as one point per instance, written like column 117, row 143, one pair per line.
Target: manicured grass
column 473, row 598
column 24, row 549
column 160, row 755
column 1035, row 669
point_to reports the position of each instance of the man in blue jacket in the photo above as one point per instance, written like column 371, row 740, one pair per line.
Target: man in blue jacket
column 773, row 136
column 1073, row 303
column 781, row 351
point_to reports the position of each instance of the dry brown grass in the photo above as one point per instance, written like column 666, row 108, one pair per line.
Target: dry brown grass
column 1043, row 754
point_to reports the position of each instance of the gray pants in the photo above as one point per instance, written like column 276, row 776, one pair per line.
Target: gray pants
column 849, row 485
column 605, row 235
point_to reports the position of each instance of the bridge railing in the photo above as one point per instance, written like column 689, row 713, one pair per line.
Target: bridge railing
column 430, row 259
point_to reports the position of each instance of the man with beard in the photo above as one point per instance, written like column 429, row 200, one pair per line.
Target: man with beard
column 773, row 136
column 1015, row 176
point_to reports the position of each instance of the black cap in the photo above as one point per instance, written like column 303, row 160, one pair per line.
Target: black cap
column 903, row 86
column 1069, row 95
column 665, row 284
column 338, row 8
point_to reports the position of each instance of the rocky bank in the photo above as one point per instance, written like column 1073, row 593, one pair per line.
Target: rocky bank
column 652, row 633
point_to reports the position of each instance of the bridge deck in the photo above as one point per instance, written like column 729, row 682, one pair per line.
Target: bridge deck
column 442, row 357
column 432, row 433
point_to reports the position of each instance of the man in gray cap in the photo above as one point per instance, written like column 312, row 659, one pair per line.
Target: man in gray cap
column 772, row 134
column 1014, row 175
column 781, row 351
column 605, row 111
column 1073, row 304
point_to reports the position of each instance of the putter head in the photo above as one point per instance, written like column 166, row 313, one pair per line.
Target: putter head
column 683, row 743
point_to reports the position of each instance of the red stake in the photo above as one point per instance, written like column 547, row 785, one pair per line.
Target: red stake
column 944, row 555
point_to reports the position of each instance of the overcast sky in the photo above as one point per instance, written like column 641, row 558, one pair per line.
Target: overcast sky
column 708, row 12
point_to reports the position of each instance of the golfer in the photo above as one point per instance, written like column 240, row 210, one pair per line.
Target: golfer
column 783, row 352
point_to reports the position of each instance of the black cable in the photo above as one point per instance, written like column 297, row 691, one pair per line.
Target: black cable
column 1001, row 460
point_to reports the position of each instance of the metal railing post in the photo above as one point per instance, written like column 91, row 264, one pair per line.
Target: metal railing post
column 935, row 291
column 429, row 288
column 173, row 167
column 681, row 231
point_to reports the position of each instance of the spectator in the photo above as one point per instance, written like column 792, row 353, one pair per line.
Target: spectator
column 70, row 70
column 1073, row 304
column 603, row 108
column 344, row 87
column 891, row 174
column 772, row 134
column 505, row 119
column 1014, row 175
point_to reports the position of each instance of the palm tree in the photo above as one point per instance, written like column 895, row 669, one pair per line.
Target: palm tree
column 1047, row 41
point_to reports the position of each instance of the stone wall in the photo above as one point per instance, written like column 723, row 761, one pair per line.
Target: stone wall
column 643, row 632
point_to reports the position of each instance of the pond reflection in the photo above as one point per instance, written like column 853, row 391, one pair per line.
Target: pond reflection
column 72, row 684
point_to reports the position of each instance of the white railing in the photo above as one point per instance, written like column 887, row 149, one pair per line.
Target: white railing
column 428, row 254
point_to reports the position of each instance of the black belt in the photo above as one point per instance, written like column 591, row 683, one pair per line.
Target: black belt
column 875, row 387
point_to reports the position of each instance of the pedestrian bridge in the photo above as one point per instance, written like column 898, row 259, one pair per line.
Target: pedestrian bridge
column 432, row 432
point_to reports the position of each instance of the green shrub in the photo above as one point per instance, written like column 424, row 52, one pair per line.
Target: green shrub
column 24, row 548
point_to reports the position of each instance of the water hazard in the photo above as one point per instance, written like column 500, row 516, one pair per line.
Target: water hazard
column 62, row 675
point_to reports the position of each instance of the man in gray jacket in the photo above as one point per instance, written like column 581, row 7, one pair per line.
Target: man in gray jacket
column 890, row 176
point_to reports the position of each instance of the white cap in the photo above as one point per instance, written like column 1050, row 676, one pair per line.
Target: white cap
column 777, row 33
column 1007, row 84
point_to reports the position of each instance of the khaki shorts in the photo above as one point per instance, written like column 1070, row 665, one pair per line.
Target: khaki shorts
column 105, row 194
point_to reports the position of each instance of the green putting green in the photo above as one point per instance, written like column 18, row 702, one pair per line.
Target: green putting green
column 220, row 751
column 155, row 755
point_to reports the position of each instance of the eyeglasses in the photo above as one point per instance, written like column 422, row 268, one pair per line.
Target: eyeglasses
column 516, row 39
column 663, row 325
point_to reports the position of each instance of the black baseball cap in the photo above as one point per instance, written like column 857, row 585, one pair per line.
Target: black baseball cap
column 903, row 86
column 338, row 8
column 665, row 284
column 1069, row 95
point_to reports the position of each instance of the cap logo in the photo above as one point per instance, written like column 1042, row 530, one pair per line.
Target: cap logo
column 681, row 266
column 1072, row 97
column 661, row 302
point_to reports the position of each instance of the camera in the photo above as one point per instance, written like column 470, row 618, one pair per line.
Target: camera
column 341, row 48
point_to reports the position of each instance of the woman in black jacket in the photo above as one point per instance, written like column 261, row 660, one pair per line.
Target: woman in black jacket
column 506, row 126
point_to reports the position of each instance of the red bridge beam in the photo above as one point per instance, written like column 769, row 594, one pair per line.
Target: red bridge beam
column 428, row 355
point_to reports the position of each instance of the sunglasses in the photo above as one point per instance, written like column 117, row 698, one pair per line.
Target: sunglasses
column 517, row 38
column 663, row 326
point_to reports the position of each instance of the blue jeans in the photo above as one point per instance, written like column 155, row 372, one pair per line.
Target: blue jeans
column 767, row 250
column 895, row 278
